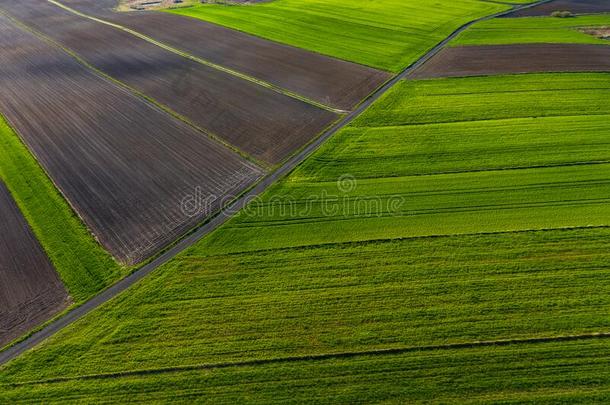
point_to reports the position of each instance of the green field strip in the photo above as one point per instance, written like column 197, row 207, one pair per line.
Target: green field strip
column 505, row 159
column 486, row 98
column 421, row 206
column 556, row 372
column 529, row 30
column 429, row 149
column 202, row 61
column 83, row 265
column 388, row 34
column 321, row 357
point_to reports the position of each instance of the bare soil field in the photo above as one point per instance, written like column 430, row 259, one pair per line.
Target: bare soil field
column 506, row 59
column 254, row 119
column 30, row 289
column 330, row 81
column 138, row 177
column 575, row 6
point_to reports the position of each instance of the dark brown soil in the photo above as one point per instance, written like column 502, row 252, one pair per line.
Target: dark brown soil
column 327, row 80
column 263, row 123
column 575, row 6
column 30, row 289
column 126, row 167
column 505, row 59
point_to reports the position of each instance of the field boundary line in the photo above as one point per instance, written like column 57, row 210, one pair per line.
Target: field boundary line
column 482, row 170
column 202, row 61
column 487, row 120
column 259, row 164
column 229, row 211
column 410, row 238
column 322, row 357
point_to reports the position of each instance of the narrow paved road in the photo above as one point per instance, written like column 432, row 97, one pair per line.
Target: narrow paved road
column 229, row 211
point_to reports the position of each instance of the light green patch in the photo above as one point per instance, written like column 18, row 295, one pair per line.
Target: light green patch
column 526, row 30
column 555, row 372
column 415, row 177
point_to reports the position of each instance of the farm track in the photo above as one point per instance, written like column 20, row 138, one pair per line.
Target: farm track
column 253, row 119
column 523, row 58
column 124, row 165
column 227, row 213
column 324, row 80
column 30, row 289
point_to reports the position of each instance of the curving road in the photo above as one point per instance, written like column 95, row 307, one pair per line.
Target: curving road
column 106, row 295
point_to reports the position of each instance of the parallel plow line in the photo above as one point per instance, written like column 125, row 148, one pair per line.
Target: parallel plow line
column 204, row 131
column 202, row 61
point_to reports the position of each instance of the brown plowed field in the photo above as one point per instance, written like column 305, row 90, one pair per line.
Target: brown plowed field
column 327, row 80
column 575, row 6
column 124, row 165
column 30, row 289
column 261, row 122
column 506, row 59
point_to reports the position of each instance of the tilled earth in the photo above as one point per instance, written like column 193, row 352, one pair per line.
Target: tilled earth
column 575, row 6
column 327, row 80
column 30, row 289
column 506, row 59
column 137, row 176
column 256, row 120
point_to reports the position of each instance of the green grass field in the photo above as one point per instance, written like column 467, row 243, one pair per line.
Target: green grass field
column 339, row 298
column 458, row 125
column 543, row 373
column 84, row 267
column 387, row 34
column 526, row 30
column 273, row 285
column 447, row 178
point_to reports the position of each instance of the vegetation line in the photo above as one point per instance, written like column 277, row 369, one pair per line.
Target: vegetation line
column 500, row 2
column 481, row 120
column 482, row 170
column 207, row 63
column 323, row 356
column 411, row 238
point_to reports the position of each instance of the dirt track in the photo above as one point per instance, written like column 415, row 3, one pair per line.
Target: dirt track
column 575, row 6
column 30, row 290
column 506, row 59
column 124, row 165
column 256, row 120
column 324, row 79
